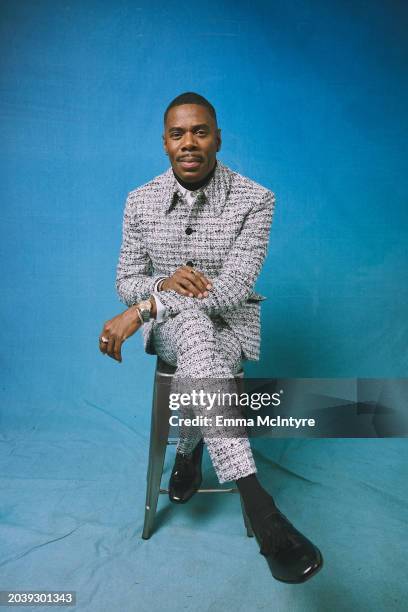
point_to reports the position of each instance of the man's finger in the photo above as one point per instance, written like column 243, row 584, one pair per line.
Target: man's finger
column 110, row 346
column 190, row 280
column 200, row 275
column 180, row 289
column 102, row 344
column 117, row 349
column 191, row 287
column 201, row 285
column 197, row 279
column 206, row 281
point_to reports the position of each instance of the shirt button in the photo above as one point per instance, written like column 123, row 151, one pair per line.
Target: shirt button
column 189, row 230
column 190, row 263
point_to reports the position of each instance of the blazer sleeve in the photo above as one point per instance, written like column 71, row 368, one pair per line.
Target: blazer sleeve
column 234, row 284
column 134, row 278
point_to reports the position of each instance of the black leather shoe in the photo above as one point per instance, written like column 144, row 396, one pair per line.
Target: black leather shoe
column 291, row 557
column 186, row 475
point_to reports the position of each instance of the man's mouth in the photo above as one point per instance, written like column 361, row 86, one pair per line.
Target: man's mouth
column 190, row 162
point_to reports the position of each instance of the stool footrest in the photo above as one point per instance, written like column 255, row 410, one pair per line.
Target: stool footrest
column 232, row 490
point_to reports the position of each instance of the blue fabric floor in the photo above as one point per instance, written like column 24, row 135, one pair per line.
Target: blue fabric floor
column 72, row 515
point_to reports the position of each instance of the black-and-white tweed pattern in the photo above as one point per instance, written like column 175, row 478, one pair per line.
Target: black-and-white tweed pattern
column 205, row 349
column 230, row 224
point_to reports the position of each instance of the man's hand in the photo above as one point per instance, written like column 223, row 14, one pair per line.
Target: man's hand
column 117, row 330
column 187, row 281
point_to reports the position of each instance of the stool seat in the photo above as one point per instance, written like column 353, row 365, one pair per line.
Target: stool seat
column 159, row 440
column 165, row 369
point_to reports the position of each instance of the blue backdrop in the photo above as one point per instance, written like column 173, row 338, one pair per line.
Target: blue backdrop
column 312, row 101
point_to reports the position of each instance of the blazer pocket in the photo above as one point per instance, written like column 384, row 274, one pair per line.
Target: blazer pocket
column 255, row 297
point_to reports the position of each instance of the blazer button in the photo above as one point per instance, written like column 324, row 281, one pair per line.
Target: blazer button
column 190, row 263
column 189, row 230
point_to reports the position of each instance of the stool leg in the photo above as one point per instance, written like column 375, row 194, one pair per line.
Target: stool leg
column 159, row 433
column 248, row 527
column 241, row 388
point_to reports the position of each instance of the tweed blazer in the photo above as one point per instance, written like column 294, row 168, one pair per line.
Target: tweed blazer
column 226, row 239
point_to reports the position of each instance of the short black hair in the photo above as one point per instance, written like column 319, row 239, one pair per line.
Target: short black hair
column 190, row 97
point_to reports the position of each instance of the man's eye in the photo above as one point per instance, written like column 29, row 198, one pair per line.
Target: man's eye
column 201, row 132
column 175, row 134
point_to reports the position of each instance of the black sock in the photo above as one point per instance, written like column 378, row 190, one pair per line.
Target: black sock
column 256, row 500
column 260, row 507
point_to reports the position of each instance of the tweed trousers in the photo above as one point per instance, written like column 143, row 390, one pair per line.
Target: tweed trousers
column 207, row 349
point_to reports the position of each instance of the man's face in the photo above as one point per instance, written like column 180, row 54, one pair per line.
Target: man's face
column 191, row 139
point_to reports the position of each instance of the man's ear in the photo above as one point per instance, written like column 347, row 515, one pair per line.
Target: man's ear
column 219, row 141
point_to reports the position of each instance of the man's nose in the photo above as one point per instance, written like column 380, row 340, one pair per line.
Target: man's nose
column 189, row 141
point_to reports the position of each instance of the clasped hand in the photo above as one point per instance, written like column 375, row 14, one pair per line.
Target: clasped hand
column 188, row 282
column 185, row 281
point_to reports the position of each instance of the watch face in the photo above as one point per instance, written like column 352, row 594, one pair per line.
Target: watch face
column 145, row 308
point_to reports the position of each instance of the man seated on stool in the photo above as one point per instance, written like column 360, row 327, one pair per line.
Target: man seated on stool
column 194, row 241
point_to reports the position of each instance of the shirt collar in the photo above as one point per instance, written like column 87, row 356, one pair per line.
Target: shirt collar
column 214, row 194
column 184, row 191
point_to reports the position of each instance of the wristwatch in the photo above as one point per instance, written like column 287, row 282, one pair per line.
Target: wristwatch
column 145, row 307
